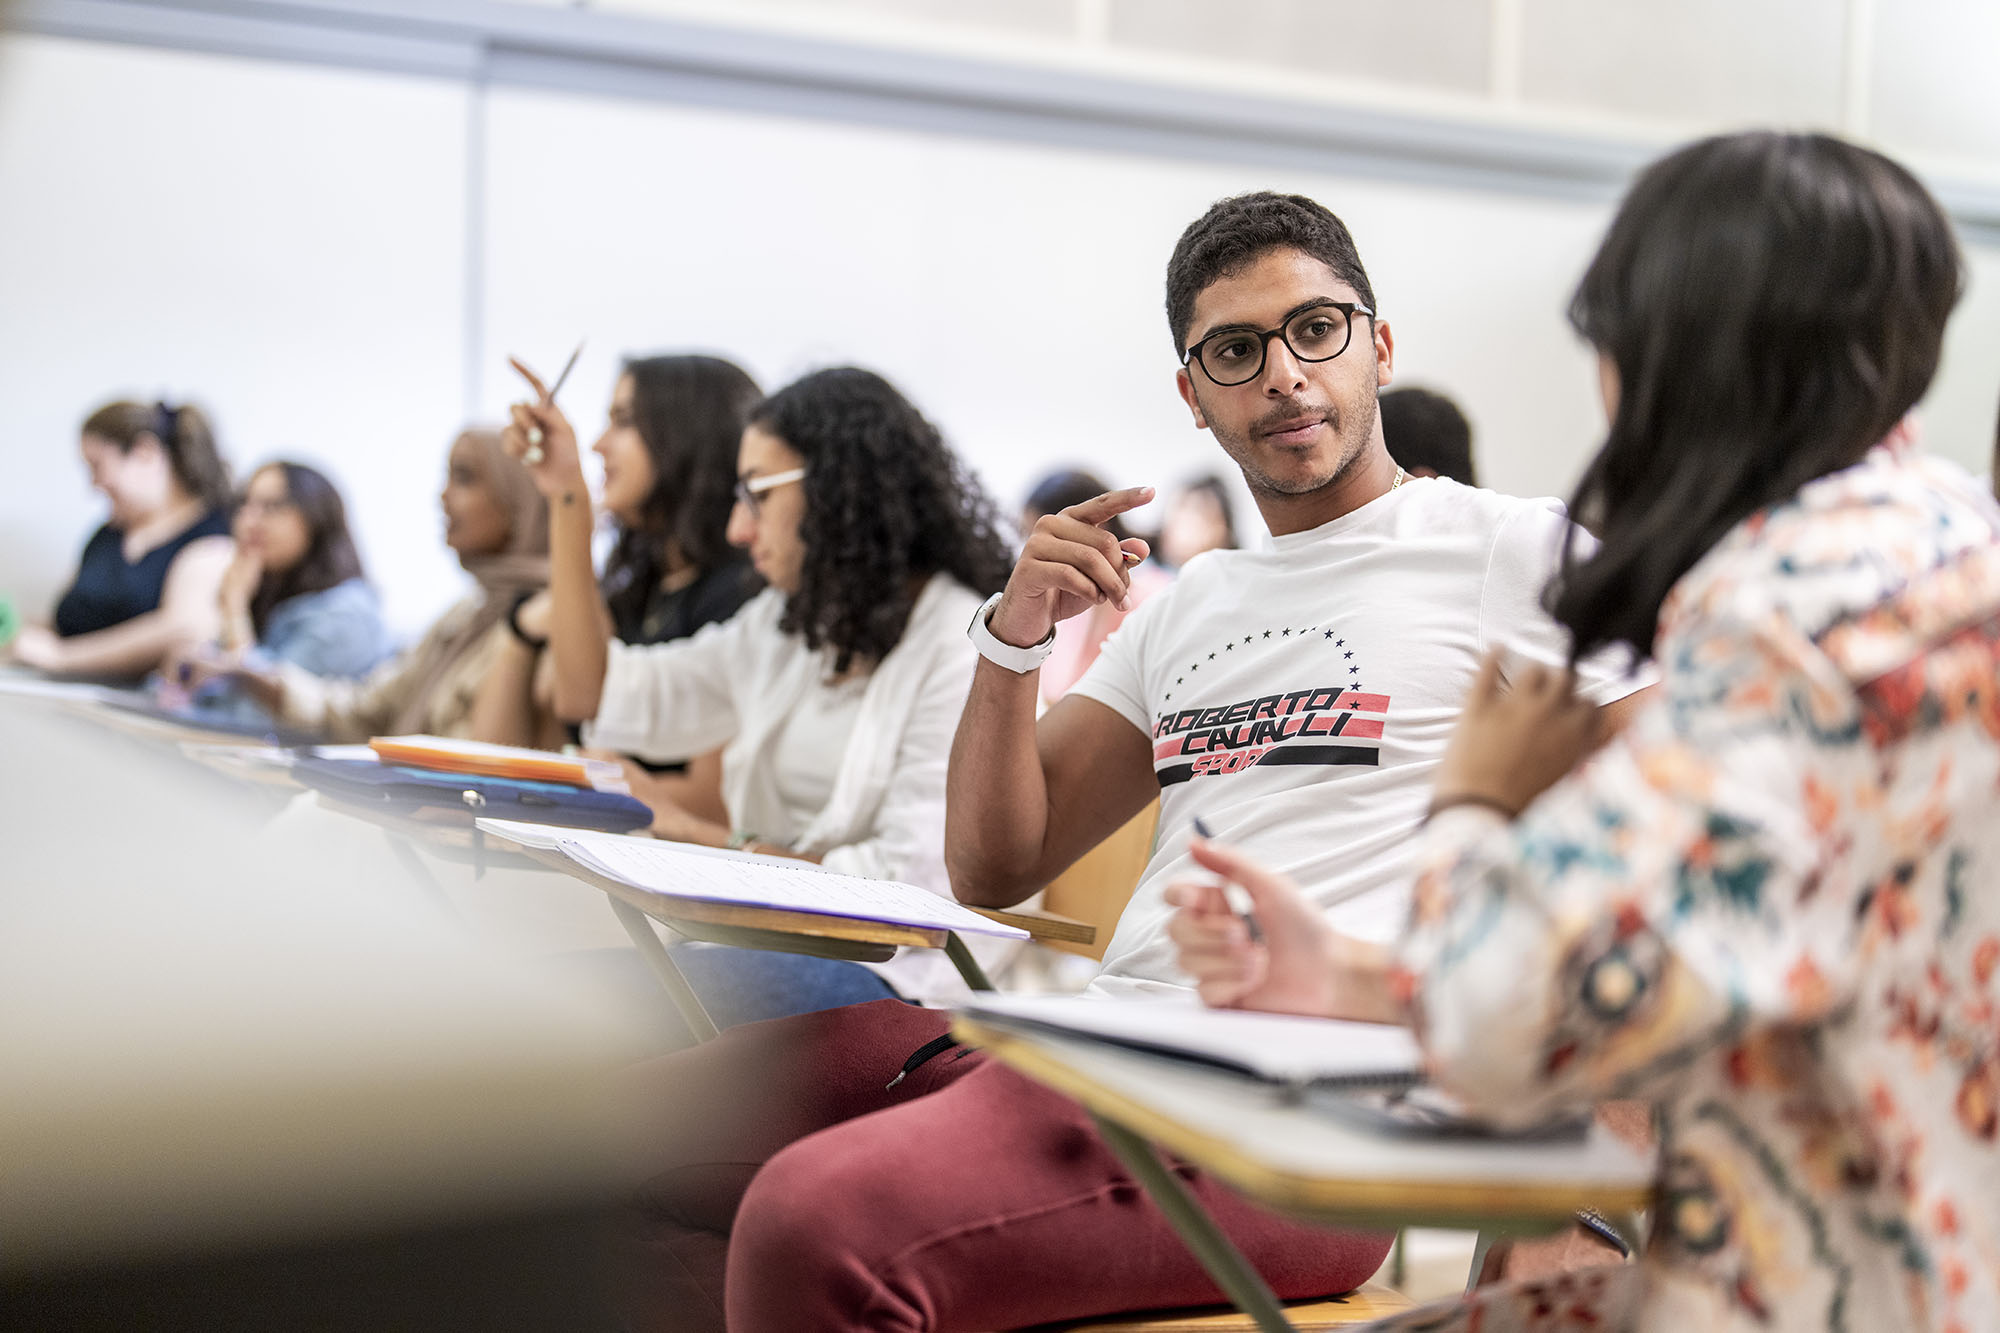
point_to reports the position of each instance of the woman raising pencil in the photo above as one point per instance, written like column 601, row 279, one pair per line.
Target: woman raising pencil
column 834, row 693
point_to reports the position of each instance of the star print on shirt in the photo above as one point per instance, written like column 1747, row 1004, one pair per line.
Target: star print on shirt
column 1323, row 722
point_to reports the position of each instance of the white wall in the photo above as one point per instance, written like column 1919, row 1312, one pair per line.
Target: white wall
column 953, row 267
column 284, row 244
column 290, row 243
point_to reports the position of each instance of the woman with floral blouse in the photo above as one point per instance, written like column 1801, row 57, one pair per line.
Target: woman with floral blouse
column 1769, row 906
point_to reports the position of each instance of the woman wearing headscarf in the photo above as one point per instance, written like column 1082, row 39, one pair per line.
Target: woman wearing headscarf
column 497, row 523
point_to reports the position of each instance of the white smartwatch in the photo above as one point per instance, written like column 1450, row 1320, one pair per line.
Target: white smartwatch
column 1020, row 661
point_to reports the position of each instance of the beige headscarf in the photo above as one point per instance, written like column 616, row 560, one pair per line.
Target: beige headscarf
column 522, row 566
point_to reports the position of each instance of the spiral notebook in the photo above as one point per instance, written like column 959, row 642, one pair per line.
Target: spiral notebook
column 710, row 874
column 1277, row 1048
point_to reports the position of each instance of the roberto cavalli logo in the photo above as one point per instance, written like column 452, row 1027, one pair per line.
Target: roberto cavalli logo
column 1333, row 721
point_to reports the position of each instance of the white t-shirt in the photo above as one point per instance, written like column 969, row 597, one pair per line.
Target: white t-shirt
column 1299, row 697
column 805, row 758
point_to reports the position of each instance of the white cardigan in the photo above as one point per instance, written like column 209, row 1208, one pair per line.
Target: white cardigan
column 734, row 684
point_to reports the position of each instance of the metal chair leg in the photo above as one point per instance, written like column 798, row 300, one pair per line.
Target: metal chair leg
column 1245, row 1288
column 962, row 959
column 640, row 927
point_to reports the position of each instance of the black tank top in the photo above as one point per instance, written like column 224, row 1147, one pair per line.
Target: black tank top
column 109, row 591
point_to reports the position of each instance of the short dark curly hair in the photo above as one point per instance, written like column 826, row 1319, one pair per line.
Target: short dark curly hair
column 887, row 505
column 1236, row 231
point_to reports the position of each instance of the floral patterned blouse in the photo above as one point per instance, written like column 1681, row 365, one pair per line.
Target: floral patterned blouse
column 1772, row 908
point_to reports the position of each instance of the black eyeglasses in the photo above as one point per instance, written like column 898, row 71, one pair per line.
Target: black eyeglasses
column 1320, row 332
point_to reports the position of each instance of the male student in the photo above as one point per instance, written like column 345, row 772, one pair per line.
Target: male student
column 1295, row 698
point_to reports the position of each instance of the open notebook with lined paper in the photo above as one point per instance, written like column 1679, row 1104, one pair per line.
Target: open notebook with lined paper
column 708, row 874
column 1279, row 1048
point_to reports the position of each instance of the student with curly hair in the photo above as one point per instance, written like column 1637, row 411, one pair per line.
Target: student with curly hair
column 1296, row 697
column 834, row 693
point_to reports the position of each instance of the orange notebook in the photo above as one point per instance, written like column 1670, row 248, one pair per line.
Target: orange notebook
column 479, row 759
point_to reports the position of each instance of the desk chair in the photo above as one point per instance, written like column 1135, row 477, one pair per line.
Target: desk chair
column 1361, row 1306
column 1095, row 891
column 1096, row 888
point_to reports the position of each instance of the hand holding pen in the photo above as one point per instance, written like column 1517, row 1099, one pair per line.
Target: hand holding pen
column 1281, row 956
column 541, row 437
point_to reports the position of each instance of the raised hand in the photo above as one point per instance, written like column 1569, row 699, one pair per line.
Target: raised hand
column 1068, row 565
column 540, row 436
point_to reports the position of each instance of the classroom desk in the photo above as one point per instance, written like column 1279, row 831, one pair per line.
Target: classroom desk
column 452, row 837
column 817, row 934
column 1300, row 1161
column 115, row 713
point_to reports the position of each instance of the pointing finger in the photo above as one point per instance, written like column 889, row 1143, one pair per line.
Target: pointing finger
column 1099, row 508
column 534, row 380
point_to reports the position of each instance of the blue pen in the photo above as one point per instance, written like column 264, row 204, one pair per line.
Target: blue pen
column 1247, row 917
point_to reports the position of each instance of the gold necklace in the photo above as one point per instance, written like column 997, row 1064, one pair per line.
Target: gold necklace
column 1401, row 477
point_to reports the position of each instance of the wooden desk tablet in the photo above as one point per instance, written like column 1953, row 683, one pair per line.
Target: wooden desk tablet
column 1261, row 1140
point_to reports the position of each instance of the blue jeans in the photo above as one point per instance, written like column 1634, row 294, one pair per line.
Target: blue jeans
column 735, row 985
column 750, row 985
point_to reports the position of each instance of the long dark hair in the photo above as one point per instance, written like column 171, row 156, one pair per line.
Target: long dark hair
column 183, row 431
column 330, row 558
column 887, row 503
column 1773, row 304
column 690, row 412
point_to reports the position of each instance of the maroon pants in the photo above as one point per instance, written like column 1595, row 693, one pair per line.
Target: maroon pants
column 796, row 1193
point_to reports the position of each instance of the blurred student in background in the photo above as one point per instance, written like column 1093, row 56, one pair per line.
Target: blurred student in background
column 1427, row 434
column 496, row 523
column 1196, row 519
column 834, row 693
column 1766, row 906
column 669, row 451
column 1079, row 637
column 293, row 593
column 148, row 579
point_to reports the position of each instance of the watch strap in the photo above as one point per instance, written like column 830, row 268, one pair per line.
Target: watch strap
column 1020, row 661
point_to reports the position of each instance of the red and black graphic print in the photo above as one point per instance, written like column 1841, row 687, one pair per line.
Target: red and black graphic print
column 1334, row 720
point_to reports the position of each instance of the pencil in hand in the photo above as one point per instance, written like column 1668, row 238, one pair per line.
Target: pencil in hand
column 533, row 455
column 1247, row 917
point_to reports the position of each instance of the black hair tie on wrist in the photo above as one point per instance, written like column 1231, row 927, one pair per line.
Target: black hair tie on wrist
column 514, row 623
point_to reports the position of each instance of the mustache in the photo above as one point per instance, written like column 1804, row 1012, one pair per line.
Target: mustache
column 1291, row 412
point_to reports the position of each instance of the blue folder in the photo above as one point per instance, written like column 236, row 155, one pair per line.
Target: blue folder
column 411, row 791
